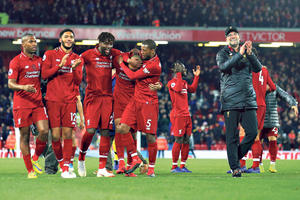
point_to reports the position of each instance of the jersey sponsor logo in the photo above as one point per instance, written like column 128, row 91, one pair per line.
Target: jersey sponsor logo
column 33, row 74
column 10, row 72
column 44, row 57
column 173, row 85
column 146, row 71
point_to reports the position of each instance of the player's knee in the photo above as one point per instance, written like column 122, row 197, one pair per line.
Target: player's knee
column 186, row 140
column 104, row 133
column 91, row 130
column 123, row 128
column 179, row 140
column 150, row 138
column 44, row 131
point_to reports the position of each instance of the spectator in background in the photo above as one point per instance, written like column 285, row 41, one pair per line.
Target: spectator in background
column 162, row 145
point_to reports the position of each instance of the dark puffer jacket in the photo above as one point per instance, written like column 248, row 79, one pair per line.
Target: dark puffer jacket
column 272, row 118
column 236, row 79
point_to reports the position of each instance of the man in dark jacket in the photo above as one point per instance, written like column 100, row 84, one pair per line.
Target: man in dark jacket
column 237, row 62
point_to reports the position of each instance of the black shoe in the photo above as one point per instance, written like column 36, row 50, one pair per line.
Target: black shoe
column 237, row 173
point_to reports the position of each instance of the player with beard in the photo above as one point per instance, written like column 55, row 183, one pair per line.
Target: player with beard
column 142, row 111
column 124, row 91
column 180, row 115
column 24, row 78
column 63, row 69
column 98, row 101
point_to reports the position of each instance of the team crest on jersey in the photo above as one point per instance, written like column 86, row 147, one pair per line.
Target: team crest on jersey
column 57, row 60
column 172, row 85
column 97, row 58
column 44, row 57
column 26, row 67
column 10, row 71
column 146, row 71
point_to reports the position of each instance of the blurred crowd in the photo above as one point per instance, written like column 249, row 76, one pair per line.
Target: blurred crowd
column 199, row 13
column 208, row 123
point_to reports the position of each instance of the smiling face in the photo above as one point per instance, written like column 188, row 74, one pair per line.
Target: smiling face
column 135, row 62
column 29, row 44
column 67, row 40
column 233, row 39
column 105, row 47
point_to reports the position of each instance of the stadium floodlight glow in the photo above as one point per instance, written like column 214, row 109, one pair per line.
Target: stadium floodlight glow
column 157, row 43
column 200, row 44
column 87, row 42
column 215, row 43
column 277, row 44
column 19, row 41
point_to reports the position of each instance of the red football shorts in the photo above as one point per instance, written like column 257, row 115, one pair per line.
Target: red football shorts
column 61, row 114
column 141, row 116
column 182, row 125
column 121, row 99
column 98, row 112
column 260, row 113
column 267, row 132
column 24, row 117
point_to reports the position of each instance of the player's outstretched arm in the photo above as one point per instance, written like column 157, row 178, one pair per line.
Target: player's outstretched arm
column 141, row 73
column 288, row 99
column 192, row 88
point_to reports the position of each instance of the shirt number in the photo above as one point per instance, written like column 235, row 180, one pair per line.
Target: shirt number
column 148, row 124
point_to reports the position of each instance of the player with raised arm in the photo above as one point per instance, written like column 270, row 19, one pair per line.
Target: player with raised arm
column 63, row 69
column 142, row 111
column 24, row 78
column 180, row 115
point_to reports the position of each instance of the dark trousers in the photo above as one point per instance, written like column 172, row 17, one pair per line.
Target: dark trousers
column 235, row 149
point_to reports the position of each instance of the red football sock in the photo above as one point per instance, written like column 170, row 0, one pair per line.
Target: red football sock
column 57, row 149
column 40, row 147
column 27, row 161
column 184, row 154
column 256, row 152
column 67, row 153
column 242, row 163
column 84, row 145
column 175, row 154
column 128, row 142
column 129, row 159
column 152, row 150
column 119, row 146
column 103, row 150
column 73, row 154
column 273, row 150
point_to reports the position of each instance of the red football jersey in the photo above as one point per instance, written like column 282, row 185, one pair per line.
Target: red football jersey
column 260, row 81
column 178, row 89
column 123, row 84
column 26, row 71
column 62, row 81
column 98, row 72
column 148, row 73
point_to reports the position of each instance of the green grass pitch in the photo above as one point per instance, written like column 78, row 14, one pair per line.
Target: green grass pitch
column 208, row 181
